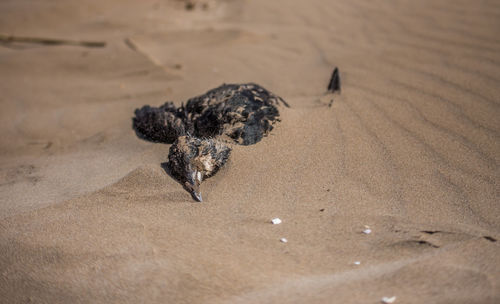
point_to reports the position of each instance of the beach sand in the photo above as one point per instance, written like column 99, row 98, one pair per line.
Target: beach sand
column 410, row 148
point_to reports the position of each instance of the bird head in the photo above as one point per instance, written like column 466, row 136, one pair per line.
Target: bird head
column 192, row 160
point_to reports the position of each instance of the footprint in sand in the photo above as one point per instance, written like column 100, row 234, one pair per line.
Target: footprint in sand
column 22, row 173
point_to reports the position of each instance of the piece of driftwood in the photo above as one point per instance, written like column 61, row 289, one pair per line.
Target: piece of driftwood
column 49, row 41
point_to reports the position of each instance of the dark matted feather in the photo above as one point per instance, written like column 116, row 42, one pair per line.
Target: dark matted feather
column 163, row 124
column 334, row 84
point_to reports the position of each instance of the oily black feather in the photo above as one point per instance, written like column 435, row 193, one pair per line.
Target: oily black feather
column 240, row 113
column 334, row 84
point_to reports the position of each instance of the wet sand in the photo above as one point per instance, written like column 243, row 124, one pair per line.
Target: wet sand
column 410, row 148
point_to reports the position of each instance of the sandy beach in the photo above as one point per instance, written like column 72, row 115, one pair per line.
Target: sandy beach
column 409, row 149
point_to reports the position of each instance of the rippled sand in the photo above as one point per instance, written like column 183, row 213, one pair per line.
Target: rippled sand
column 410, row 148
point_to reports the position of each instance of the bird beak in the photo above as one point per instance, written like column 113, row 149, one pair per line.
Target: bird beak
column 193, row 186
column 197, row 196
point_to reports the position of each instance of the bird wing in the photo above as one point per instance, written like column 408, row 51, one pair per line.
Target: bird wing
column 162, row 124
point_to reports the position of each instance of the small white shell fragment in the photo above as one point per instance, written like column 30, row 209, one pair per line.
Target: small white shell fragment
column 276, row 221
column 387, row 300
column 357, row 263
column 283, row 240
column 367, row 231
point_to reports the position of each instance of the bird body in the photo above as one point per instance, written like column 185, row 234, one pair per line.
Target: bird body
column 242, row 113
column 201, row 130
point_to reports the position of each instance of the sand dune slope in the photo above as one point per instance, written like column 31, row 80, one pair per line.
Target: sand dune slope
column 410, row 148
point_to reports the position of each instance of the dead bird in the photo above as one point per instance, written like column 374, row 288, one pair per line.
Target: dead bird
column 202, row 129
column 191, row 160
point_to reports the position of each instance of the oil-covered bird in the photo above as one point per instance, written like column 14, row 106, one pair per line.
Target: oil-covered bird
column 202, row 130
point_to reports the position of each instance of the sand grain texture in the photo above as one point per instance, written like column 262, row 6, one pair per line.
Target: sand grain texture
column 411, row 148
